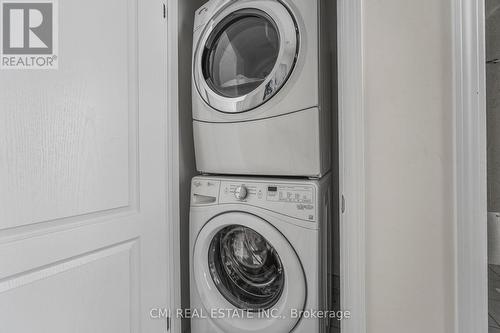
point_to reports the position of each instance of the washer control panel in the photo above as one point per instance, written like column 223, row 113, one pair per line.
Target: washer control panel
column 291, row 199
column 288, row 199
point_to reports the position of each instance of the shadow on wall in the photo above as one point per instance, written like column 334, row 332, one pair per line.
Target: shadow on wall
column 187, row 167
column 493, row 102
column 493, row 152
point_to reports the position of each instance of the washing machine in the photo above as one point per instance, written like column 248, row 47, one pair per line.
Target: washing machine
column 262, row 87
column 259, row 255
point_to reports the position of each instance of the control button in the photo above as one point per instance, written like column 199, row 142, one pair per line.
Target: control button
column 241, row 192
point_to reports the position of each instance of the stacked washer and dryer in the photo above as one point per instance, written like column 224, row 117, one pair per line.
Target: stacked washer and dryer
column 260, row 218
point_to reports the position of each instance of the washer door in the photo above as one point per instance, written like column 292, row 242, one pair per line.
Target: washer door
column 245, row 55
column 242, row 262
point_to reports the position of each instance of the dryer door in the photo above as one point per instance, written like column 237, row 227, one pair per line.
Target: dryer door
column 245, row 55
column 241, row 262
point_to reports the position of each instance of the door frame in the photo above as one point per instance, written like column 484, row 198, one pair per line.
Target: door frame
column 173, row 156
column 352, row 172
column 470, row 173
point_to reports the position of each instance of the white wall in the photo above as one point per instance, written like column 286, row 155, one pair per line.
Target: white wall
column 408, row 103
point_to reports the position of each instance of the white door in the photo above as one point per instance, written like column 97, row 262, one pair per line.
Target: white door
column 83, row 227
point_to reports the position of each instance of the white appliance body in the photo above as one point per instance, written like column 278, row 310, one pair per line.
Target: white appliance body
column 262, row 88
column 293, row 218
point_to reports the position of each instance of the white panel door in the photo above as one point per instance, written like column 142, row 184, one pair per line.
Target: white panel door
column 83, row 164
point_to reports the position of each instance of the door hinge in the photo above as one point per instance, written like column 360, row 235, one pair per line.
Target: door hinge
column 168, row 323
column 164, row 11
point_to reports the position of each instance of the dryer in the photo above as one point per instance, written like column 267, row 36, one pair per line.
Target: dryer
column 262, row 88
column 259, row 255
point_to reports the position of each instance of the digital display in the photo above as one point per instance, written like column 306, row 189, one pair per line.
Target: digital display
column 272, row 189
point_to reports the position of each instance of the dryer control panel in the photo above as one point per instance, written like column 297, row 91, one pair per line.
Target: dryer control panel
column 291, row 199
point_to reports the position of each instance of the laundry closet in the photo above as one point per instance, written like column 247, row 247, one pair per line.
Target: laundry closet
column 259, row 165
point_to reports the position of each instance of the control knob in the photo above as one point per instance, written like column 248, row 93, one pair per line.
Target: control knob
column 241, row 192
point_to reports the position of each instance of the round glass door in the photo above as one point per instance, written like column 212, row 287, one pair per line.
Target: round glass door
column 245, row 268
column 236, row 265
column 245, row 55
column 241, row 53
